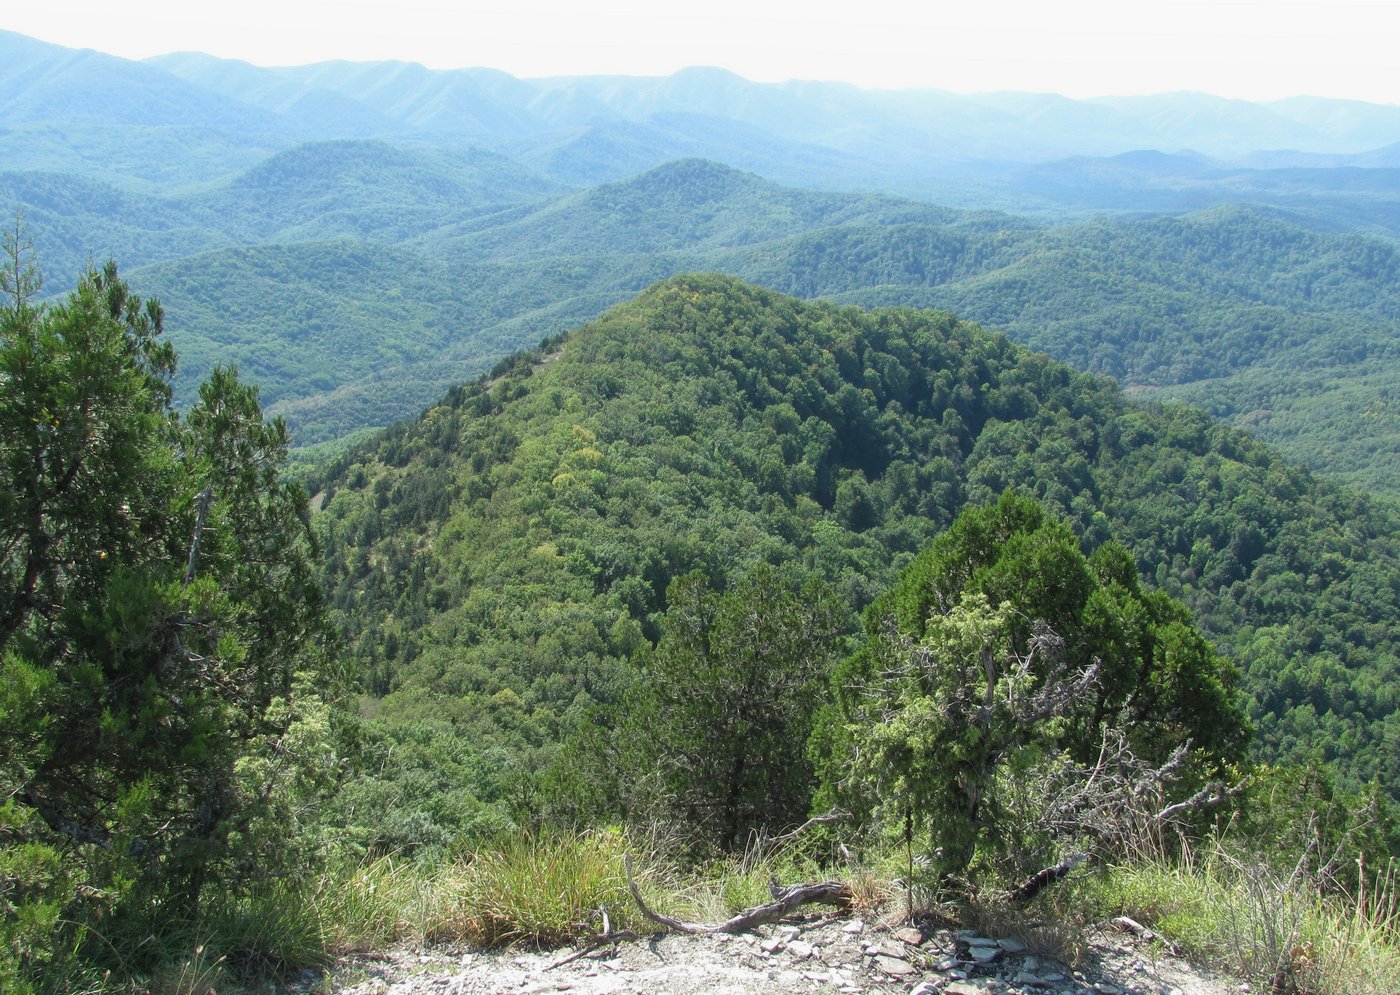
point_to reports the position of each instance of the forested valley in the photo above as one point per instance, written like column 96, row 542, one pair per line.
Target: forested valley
column 439, row 534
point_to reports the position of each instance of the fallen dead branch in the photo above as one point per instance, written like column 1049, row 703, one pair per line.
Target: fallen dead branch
column 785, row 900
column 1043, row 879
column 1208, row 797
column 762, row 847
column 593, row 943
column 835, row 815
column 1127, row 924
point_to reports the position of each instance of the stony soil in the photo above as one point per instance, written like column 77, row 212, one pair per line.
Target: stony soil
column 815, row 954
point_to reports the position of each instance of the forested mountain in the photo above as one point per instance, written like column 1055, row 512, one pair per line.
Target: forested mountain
column 497, row 562
column 1238, row 310
column 703, row 526
column 359, row 237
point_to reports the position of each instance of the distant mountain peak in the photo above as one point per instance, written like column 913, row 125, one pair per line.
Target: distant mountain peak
column 688, row 180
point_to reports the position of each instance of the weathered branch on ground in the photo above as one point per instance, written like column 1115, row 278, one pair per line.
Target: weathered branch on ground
column 1130, row 925
column 592, row 943
column 786, row 900
column 1043, row 879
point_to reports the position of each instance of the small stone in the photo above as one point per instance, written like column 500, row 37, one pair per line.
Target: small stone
column 924, row 988
column 855, row 927
column 983, row 954
column 790, row 933
column 910, row 935
column 801, row 950
column 1011, row 945
column 893, row 965
column 773, row 944
column 965, row 988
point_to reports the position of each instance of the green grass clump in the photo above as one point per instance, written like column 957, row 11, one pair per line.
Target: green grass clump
column 1275, row 928
column 376, row 903
column 273, row 929
column 547, row 889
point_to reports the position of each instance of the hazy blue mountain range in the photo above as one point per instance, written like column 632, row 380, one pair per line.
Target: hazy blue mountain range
column 214, row 114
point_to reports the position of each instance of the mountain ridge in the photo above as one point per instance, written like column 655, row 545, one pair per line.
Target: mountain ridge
column 527, row 527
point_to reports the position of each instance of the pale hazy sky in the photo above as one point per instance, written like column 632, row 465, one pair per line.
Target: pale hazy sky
column 1254, row 49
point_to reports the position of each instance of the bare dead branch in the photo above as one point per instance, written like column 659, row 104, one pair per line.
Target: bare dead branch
column 825, row 892
column 204, row 498
column 593, row 943
column 1129, row 925
column 835, row 815
column 1208, row 797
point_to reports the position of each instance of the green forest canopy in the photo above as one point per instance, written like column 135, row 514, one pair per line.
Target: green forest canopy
column 353, row 306
column 498, row 562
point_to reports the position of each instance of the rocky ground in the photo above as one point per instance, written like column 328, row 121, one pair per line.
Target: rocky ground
column 834, row 954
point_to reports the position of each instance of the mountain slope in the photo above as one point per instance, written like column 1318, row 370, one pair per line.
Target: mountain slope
column 504, row 555
column 368, row 189
column 691, row 204
column 1225, row 307
column 48, row 83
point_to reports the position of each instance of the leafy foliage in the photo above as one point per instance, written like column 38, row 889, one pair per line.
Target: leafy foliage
column 713, row 735
column 161, row 630
column 1001, row 648
column 499, row 563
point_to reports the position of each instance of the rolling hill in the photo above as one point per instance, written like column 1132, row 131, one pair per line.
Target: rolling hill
column 1240, row 310
column 497, row 562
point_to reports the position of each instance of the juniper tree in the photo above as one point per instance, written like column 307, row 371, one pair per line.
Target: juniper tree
column 161, row 628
